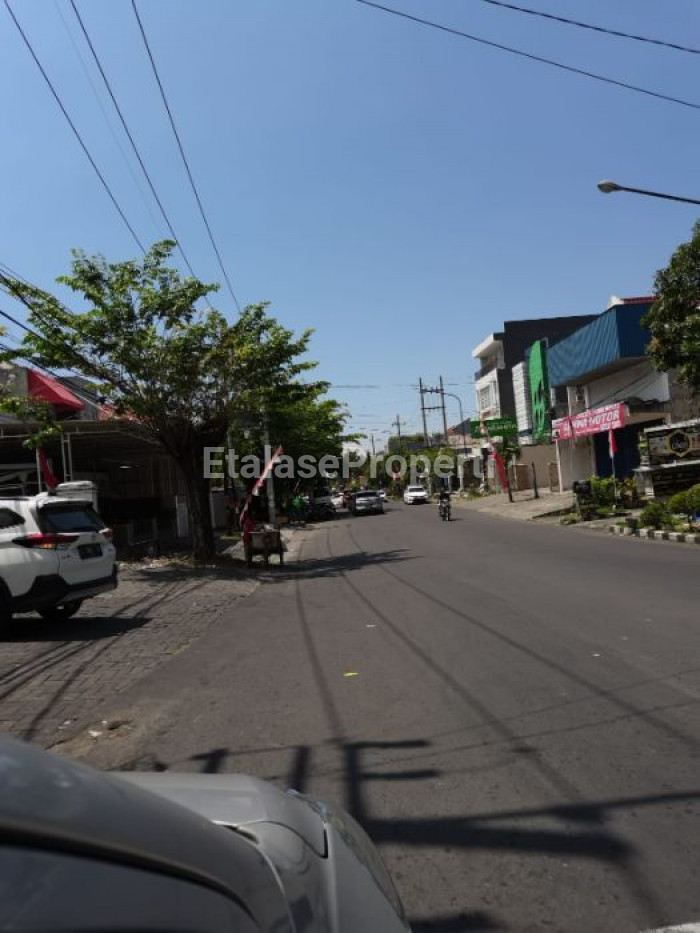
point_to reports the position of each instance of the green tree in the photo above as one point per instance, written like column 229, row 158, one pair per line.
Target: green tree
column 674, row 318
column 184, row 373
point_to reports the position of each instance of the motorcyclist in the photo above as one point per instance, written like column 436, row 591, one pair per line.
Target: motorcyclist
column 444, row 501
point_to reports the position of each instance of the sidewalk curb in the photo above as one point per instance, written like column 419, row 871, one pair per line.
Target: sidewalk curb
column 680, row 537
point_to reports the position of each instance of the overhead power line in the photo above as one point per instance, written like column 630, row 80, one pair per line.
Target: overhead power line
column 108, row 122
column 73, row 127
column 130, row 137
column 531, row 57
column 608, row 32
column 182, row 153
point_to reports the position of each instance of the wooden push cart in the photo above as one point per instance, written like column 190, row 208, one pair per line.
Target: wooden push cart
column 264, row 542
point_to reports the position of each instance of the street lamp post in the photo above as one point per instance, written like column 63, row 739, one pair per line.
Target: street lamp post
column 609, row 187
column 464, row 436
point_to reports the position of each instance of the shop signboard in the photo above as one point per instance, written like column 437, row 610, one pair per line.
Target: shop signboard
column 539, row 391
column 594, row 421
column 496, row 427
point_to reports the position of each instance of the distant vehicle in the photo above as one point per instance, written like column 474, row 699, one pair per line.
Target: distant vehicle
column 384, row 494
column 55, row 552
column 141, row 853
column 415, row 494
column 321, row 496
column 338, row 500
column 367, row 500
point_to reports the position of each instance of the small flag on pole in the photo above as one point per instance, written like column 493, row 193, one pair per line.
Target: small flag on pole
column 612, row 443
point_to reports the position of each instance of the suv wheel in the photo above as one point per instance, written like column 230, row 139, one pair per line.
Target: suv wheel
column 58, row 613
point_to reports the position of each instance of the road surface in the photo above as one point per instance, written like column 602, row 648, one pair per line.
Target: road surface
column 510, row 709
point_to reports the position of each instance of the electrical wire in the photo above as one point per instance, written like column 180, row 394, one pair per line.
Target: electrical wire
column 182, row 153
column 130, row 137
column 103, row 111
column 608, row 32
column 531, row 57
column 73, row 127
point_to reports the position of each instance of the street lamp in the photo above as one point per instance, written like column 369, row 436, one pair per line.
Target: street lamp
column 608, row 187
column 464, row 436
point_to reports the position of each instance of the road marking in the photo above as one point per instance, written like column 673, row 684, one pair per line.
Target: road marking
column 350, row 674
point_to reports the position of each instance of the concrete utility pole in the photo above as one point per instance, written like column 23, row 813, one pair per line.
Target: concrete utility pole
column 269, row 481
column 422, row 408
column 444, row 412
column 373, row 452
column 439, row 390
column 397, row 425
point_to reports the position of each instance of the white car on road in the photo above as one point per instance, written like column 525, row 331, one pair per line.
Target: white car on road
column 55, row 551
column 414, row 494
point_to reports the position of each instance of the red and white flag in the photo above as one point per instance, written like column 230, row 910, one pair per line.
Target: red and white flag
column 612, row 443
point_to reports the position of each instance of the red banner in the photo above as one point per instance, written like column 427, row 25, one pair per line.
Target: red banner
column 595, row 421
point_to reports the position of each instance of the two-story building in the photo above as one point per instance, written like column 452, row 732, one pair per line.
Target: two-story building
column 502, row 350
column 609, row 384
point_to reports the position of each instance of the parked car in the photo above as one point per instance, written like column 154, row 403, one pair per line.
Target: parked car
column 415, row 494
column 367, row 500
column 384, row 494
column 337, row 500
column 81, row 850
column 55, row 552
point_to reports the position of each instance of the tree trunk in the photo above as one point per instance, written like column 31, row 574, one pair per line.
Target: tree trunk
column 198, row 505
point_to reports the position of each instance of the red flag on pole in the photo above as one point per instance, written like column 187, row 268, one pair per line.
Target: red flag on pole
column 50, row 477
column 612, row 443
column 261, row 479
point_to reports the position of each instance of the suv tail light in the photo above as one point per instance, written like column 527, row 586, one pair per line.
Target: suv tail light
column 47, row 542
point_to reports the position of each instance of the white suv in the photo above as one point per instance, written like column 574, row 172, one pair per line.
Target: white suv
column 54, row 552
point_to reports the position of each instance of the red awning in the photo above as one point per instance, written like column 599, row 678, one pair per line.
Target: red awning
column 51, row 391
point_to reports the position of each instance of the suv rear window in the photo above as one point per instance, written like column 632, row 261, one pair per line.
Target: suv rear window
column 9, row 519
column 77, row 517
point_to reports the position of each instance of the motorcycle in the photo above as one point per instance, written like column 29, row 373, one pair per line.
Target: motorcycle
column 445, row 510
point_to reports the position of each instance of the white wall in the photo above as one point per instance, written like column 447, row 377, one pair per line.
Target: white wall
column 638, row 381
column 575, row 462
column 494, row 408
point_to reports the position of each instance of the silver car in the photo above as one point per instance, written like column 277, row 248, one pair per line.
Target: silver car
column 366, row 502
column 86, row 851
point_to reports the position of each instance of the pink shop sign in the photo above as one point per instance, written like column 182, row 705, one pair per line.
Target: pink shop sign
column 609, row 417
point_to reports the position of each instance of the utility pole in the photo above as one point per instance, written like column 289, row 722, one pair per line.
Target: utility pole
column 444, row 412
column 372, row 437
column 422, row 408
column 269, row 482
column 397, row 425
column 439, row 390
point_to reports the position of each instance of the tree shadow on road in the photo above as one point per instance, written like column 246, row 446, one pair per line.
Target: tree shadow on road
column 320, row 567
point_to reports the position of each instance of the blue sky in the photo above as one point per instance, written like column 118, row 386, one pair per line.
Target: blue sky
column 399, row 190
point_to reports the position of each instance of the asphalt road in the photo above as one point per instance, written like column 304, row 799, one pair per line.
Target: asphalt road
column 510, row 709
